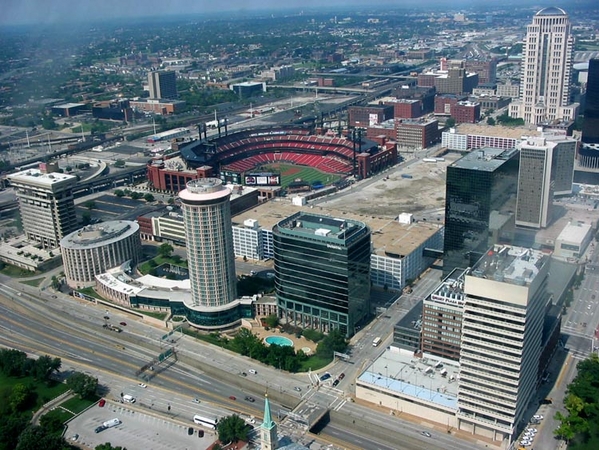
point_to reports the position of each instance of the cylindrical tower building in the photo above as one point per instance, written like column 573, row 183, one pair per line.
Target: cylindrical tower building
column 209, row 235
column 94, row 249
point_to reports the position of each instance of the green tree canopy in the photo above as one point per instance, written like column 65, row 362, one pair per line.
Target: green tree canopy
column 232, row 429
column 149, row 198
column 333, row 342
column 165, row 250
column 83, row 385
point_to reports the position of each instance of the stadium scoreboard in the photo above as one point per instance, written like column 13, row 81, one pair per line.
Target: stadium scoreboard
column 262, row 179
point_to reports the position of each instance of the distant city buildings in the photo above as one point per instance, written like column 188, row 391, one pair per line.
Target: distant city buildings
column 46, row 205
column 162, row 84
column 322, row 272
column 546, row 70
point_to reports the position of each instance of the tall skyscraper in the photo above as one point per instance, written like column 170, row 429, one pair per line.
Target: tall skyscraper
column 322, row 272
column 46, row 205
column 504, row 310
column 590, row 127
column 209, row 242
column 162, row 84
column 546, row 169
column 546, row 70
column 480, row 202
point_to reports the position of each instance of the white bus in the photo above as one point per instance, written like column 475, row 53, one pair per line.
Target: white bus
column 205, row 422
column 376, row 342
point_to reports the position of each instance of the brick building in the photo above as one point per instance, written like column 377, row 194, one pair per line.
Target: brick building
column 416, row 134
column 405, row 108
column 444, row 104
column 365, row 116
column 466, row 112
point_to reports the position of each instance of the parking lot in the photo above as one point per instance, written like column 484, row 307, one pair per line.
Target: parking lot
column 137, row 431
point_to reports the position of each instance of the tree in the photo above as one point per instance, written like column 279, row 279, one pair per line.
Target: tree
column 83, row 385
column 450, row 123
column 44, row 366
column 491, row 121
column 20, row 397
column 52, row 423
column 108, row 446
column 119, row 163
column 37, row 437
column 119, row 193
column 90, row 204
column 165, row 250
column 149, row 198
column 272, row 321
column 232, row 429
column 136, row 195
column 55, row 283
column 86, row 218
column 333, row 342
column 10, row 429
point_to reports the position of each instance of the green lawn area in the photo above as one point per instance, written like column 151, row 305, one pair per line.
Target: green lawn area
column 16, row 272
column 44, row 391
column 307, row 174
column 314, row 363
column 155, row 315
column 36, row 282
column 77, row 404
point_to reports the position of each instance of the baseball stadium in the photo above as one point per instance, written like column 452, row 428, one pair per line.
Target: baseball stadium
column 285, row 156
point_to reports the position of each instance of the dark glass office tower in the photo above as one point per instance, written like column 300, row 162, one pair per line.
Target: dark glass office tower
column 322, row 272
column 590, row 126
column 480, row 205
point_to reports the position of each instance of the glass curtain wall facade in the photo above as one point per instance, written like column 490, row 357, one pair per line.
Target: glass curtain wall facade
column 480, row 202
column 590, row 126
column 322, row 272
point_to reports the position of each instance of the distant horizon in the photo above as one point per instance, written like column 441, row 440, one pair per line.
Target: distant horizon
column 32, row 12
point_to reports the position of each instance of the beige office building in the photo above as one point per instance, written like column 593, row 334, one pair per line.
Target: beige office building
column 504, row 310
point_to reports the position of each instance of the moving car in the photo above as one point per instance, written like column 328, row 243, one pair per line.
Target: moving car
column 335, row 383
column 142, row 385
column 325, row 377
column 426, row 433
column 297, row 388
column 124, row 324
column 250, row 399
column 232, row 397
column 196, row 400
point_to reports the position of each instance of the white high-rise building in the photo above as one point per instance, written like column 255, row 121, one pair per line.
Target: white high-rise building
column 546, row 70
column 502, row 331
column 46, row 204
column 209, row 241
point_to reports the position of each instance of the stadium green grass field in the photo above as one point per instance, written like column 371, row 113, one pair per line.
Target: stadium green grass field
column 290, row 173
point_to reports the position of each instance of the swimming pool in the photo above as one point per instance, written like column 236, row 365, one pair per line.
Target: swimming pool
column 279, row 340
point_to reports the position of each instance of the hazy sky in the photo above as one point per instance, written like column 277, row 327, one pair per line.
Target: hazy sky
column 48, row 11
column 54, row 11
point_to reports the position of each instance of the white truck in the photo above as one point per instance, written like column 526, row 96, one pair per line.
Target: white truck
column 111, row 423
column 127, row 398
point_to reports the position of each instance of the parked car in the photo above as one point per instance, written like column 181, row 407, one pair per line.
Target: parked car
column 341, row 376
column 190, row 431
column 101, row 403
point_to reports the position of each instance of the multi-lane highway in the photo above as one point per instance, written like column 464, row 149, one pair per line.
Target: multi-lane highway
column 40, row 322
